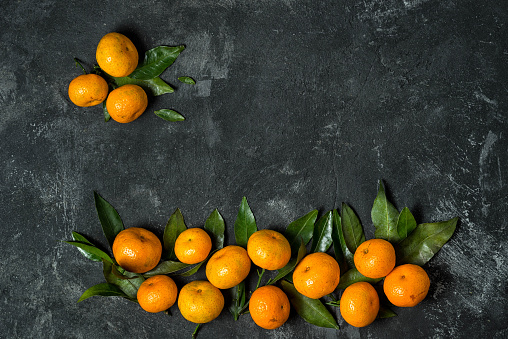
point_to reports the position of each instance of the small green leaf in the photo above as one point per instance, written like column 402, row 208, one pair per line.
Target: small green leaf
column 301, row 229
column 216, row 226
column 311, row 310
column 384, row 217
column 385, row 312
column 128, row 286
column 174, row 227
column 322, row 236
column 109, row 218
column 353, row 276
column 166, row 267
column 351, row 228
column 91, row 249
column 342, row 254
column 105, row 112
column 156, row 61
column 169, row 115
column 153, row 87
column 79, row 238
column 187, row 80
column 104, row 289
column 238, row 300
column 406, row 223
column 245, row 224
column 425, row 241
column 283, row 272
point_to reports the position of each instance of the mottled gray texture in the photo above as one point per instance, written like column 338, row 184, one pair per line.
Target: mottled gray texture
column 298, row 105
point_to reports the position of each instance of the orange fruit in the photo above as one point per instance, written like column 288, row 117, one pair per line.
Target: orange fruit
column 359, row 304
column 407, row 285
column 117, row 55
column 200, row 302
column 157, row 293
column 316, row 275
column 228, row 267
column 88, row 90
column 126, row 103
column 375, row 258
column 137, row 250
column 269, row 249
column 269, row 307
column 193, row 245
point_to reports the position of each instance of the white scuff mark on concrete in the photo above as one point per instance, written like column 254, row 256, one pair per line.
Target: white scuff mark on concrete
column 281, row 206
column 213, row 131
column 288, row 170
column 378, row 159
column 214, row 54
column 146, row 193
column 413, row 3
column 8, row 85
column 480, row 96
column 490, row 139
column 204, row 88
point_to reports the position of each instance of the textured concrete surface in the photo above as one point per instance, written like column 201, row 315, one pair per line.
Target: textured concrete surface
column 298, row 105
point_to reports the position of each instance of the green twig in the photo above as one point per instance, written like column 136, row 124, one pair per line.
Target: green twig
column 195, row 333
column 79, row 64
column 260, row 276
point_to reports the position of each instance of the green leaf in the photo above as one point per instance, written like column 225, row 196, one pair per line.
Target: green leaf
column 385, row 312
column 91, row 249
column 166, row 267
column 353, row 276
column 342, row 254
column 238, row 300
column 128, row 286
column 153, row 87
column 311, row 310
column 406, row 223
column 109, row 218
column 216, row 226
column 322, row 236
column 425, row 241
column 187, row 80
column 104, row 289
column 283, row 272
column 169, row 115
column 174, row 227
column 245, row 224
column 384, row 217
column 79, row 238
column 105, row 112
column 194, row 269
column 156, row 61
column 301, row 229
column 351, row 228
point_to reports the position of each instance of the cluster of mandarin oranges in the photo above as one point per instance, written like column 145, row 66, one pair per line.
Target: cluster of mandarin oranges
column 117, row 56
column 316, row 275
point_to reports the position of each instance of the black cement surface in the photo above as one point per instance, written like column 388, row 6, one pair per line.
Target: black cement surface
column 298, row 105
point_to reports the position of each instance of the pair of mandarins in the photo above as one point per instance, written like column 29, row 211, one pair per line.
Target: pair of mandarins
column 316, row 275
column 118, row 57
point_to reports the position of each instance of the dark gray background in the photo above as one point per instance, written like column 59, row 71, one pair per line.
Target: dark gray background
column 298, row 105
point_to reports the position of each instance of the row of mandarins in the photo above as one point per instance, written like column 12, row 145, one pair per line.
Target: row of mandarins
column 316, row 275
column 118, row 57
